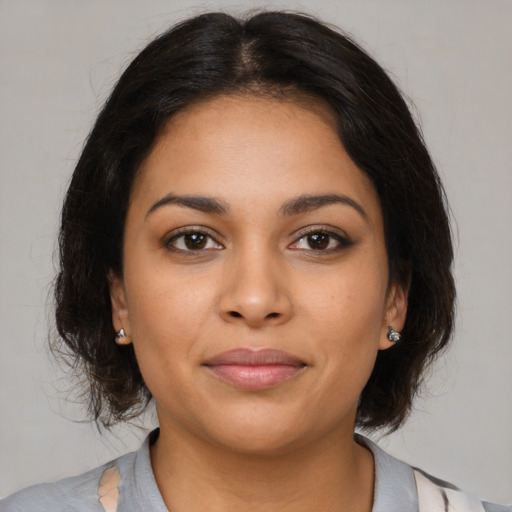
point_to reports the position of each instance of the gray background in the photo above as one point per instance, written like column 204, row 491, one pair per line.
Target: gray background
column 58, row 61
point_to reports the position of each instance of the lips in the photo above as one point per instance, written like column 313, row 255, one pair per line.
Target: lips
column 255, row 369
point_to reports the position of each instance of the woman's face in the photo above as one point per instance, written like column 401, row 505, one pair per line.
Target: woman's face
column 255, row 282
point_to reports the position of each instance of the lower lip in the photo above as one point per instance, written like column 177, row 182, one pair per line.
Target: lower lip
column 255, row 377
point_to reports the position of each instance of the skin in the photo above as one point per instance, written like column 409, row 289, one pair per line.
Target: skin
column 256, row 283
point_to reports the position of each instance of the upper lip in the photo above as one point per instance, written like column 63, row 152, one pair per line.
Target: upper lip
column 254, row 357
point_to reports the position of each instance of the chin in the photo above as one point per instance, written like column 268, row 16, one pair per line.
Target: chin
column 262, row 444
column 262, row 433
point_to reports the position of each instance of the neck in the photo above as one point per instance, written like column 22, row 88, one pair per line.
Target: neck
column 332, row 474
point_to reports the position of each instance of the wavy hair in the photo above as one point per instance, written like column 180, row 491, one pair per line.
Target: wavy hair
column 281, row 54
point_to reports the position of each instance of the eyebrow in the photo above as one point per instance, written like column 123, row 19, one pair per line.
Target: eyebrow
column 201, row 203
column 307, row 203
column 295, row 206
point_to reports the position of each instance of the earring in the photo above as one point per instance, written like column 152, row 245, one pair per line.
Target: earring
column 122, row 338
column 393, row 335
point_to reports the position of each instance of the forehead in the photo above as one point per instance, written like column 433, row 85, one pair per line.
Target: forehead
column 252, row 151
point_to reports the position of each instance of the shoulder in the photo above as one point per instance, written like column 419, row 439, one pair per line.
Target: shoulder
column 78, row 493
column 70, row 494
column 436, row 494
column 417, row 491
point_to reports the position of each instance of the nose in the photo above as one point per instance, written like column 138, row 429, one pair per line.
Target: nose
column 255, row 292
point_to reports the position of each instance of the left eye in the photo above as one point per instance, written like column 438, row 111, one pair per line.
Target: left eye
column 193, row 241
column 319, row 241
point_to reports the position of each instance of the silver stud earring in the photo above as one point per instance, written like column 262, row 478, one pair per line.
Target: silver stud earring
column 393, row 335
column 122, row 338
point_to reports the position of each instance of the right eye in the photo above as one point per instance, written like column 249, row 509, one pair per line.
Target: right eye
column 190, row 241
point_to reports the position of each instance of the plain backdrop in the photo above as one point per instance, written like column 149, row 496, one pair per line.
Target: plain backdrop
column 58, row 62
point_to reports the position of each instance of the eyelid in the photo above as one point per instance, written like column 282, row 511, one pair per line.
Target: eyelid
column 338, row 234
column 323, row 228
column 185, row 230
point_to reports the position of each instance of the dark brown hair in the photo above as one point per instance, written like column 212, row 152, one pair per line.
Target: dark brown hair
column 269, row 52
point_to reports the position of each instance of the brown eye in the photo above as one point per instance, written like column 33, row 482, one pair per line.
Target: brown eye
column 318, row 241
column 321, row 241
column 193, row 241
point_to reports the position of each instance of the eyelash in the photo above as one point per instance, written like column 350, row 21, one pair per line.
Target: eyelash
column 342, row 240
column 181, row 233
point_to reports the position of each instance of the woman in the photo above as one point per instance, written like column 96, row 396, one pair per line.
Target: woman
column 256, row 238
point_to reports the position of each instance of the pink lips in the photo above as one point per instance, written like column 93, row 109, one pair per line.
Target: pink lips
column 255, row 369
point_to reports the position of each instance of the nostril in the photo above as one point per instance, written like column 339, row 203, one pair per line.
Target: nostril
column 272, row 315
column 235, row 314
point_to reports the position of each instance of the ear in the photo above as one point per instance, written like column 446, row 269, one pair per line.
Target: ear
column 120, row 316
column 394, row 316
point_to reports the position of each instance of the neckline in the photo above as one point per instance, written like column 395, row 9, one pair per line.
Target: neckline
column 394, row 487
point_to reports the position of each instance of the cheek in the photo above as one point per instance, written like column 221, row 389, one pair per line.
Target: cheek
column 163, row 296
column 168, row 312
column 345, row 313
column 348, row 300
column 168, row 318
